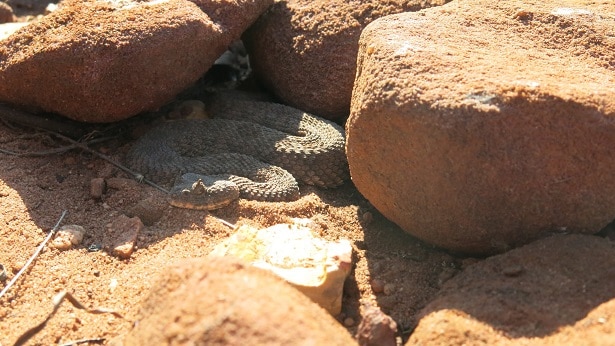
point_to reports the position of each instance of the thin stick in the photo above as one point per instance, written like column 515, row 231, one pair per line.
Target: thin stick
column 137, row 176
column 83, row 146
column 51, row 151
column 224, row 222
column 36, row 253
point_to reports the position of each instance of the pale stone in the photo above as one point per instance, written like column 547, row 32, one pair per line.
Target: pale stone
column 314, row 266
column 68, row 236
column 7, row 29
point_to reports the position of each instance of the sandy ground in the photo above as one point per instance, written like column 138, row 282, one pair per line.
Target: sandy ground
column 35, row 190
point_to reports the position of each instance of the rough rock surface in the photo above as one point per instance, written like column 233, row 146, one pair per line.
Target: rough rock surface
column 67, row 237
column 376, row 328
column 218, row 301
column 101, row 61
column 305, row 51
column 481, row 125
column 539, row 294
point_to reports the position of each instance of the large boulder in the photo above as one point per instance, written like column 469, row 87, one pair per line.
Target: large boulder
column 305, row 51
column 102, row 61
column 219, row 301
column 556, row 291
column 6, row 13
column 482, row 125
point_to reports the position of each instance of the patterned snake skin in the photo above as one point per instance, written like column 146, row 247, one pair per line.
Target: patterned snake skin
column 260, row 147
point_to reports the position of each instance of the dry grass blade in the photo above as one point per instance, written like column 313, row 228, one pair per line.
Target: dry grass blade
column 57, row 301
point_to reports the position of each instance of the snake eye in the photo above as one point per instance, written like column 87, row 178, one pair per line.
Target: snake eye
column 185, row 192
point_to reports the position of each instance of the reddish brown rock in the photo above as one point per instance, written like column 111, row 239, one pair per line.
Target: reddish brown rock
column 376, row 328
column 305, row 51
column 563, row 296
column 482, row 125
column 121, row 236
column 101, row 61
column 6, row 13
column 219, row 301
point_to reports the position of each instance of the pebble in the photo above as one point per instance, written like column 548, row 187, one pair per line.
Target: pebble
column 349, row 322
column 377, row 285
column 68, row 236
column 113, row 285
column 376, row 328
column 121, row 235
column 17, row 265
column 2, row 273
column 97, row 188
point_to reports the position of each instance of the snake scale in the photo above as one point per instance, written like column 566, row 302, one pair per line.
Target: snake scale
column 251, row 149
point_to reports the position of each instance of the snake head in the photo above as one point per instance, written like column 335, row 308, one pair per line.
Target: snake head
column 202, row 192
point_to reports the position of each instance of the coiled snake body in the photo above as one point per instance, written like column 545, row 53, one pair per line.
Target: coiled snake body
column 253, row 149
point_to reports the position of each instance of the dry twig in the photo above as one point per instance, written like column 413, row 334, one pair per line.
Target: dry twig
column 36, row 253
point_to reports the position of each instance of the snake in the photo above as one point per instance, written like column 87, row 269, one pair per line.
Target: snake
column 249, row 149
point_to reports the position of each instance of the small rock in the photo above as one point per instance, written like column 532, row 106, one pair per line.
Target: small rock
column 121, row 235
column 377, row 285
column 349, row 321
column 294, row 252
column 68, row 236
column 376, row 328
column 2, row 273
column 17, row 265
column 97, row 188
column 113, row 285
column 51, row 7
